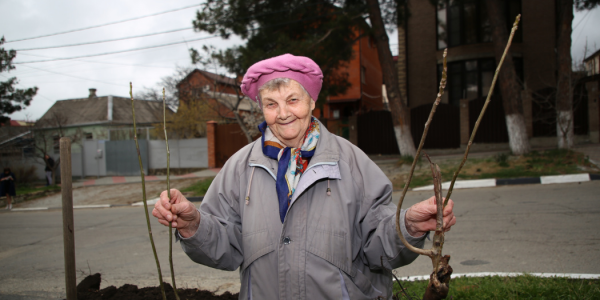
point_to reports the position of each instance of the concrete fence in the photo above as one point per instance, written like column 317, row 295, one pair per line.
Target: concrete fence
column 119, row 158
column 191, row 153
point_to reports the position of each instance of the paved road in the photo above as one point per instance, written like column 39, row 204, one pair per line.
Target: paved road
column 532, row 228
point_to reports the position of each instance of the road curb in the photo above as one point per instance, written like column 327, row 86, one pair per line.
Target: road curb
column 507, row 274
column 478, row 183
column 460, row 184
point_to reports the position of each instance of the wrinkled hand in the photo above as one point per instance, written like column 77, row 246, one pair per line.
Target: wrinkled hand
column 181, row 212
column 420, row 218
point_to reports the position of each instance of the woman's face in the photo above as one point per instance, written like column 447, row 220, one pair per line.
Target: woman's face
column 288, row 112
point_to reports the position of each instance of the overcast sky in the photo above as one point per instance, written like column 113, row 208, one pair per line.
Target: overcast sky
column 111, row 74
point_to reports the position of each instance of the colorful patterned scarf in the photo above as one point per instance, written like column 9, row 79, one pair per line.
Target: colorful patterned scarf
column 292, row 162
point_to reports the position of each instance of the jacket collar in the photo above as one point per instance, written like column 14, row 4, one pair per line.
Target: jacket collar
column 327, row 151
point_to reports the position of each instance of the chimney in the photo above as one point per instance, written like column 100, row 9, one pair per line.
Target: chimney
column 92, row 93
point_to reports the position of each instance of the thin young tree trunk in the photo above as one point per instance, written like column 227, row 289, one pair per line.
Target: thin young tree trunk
column 242, row 126
column 564, row 95
column 400, row 112
column 508, row 80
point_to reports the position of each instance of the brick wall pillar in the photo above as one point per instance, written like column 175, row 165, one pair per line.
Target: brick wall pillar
column 464, row 122
column 353, row 130
column 211, row 138
column 527, row 100
column 593, row 110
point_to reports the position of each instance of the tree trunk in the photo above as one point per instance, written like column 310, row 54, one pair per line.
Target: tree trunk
column 400, row 112
column 510, row 88
column 242, row 126
column 564, row 94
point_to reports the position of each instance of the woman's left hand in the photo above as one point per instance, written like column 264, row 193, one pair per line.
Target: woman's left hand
column 421, row 217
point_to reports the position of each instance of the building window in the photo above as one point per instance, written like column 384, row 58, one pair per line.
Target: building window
column 471, row 79
column 464, row 22
column 88, row 136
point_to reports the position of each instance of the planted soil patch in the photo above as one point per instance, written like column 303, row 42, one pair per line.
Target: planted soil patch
column 88, row 289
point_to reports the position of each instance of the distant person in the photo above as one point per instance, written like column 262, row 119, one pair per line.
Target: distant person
column 49, row 166
column 7, row 187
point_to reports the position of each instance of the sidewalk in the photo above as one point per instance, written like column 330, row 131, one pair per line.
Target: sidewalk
column 592, row 151
column 132, row 179
column 97, row 196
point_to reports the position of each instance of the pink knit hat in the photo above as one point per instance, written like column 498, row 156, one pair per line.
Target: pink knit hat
column 299, row 68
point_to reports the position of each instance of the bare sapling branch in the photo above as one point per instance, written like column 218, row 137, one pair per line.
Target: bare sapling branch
column 137, row 147
column 485, row 105
column 169, row 195
column 440, row 277
column 412, row 168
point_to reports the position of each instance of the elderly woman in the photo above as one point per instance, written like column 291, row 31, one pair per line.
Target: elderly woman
column 302, row 213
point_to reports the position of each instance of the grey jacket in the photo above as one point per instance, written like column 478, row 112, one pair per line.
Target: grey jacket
column 329, row 246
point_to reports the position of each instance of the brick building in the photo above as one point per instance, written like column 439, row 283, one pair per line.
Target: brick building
column 363, row 95
column 463, row 27
column 219, row 92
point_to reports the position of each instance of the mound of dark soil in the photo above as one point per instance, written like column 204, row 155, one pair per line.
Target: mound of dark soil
column 87, row 289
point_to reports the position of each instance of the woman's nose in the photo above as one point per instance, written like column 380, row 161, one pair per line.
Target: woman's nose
column 283, row 112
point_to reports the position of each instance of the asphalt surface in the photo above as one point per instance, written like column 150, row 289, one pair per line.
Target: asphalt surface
column 525, row 228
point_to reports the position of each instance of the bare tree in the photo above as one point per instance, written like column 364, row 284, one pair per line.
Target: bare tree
column 223, row 103
column 46, row 135
column 509, row 82
column 169, row 83
column 399, row 109
column 188, row 122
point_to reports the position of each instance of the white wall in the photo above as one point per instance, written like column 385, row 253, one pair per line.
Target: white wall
column 191, row 153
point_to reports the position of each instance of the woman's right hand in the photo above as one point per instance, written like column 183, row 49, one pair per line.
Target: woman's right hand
column 181, row 212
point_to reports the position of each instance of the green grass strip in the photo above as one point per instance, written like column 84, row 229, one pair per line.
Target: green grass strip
column 520, row 287
column 199, row 188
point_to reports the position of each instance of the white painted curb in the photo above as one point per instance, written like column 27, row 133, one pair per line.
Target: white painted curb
column 462, row 184
column 565, row 178
column 150, row 202
column 29, row 209
column 93, row 206
column 508, row 274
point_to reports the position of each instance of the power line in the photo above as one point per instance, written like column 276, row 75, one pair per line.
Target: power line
column 116, row 52
column 102, row 62
column 158, row 46
column 586, row 14
column 155, row 46
column 106, row 41
column 580, row 32
column 137, row 18
column 76, row 77
column 106, row 24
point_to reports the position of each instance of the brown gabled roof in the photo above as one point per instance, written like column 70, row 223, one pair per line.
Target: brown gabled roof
column 145, row 111
column 218, row 78
column 73, row 112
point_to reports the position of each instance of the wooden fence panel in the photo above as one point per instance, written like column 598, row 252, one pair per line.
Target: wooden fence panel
column 229, row 139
